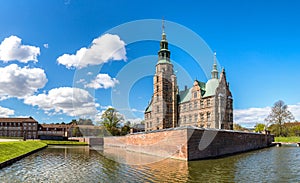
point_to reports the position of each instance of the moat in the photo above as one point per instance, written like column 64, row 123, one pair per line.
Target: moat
column 81, row 164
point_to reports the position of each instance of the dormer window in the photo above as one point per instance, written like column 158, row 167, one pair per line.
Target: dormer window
column 195, row 94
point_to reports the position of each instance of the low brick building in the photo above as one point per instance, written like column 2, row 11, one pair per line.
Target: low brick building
column 19, row 127
column 61, row 130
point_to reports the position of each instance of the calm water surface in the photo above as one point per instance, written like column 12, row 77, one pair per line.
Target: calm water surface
column 81, row 164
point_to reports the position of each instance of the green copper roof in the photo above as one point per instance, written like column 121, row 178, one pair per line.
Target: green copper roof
column 184, row 95
column 201, row 84
column 149, row 108
column 211, row 86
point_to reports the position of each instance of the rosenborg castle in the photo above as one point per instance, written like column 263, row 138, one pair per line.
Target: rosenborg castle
column 205, row 104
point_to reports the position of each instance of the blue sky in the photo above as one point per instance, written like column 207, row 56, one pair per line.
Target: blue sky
column 256, row 41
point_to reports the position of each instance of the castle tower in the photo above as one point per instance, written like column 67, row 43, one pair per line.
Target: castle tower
column 164, row 102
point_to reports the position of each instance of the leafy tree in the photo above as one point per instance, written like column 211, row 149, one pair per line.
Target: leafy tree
column 294, row 131
column 279, row 115
column 85, row 122
column 125, row 130
column 76, row 132
column 110, row 120
column 238, row 127
column 259, row 127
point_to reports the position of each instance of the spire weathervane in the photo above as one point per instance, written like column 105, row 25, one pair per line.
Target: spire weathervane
column 214, row 72
column 163, row 25
column 215, row 57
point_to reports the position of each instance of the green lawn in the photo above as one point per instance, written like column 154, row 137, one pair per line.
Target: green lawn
column 57, row 142
column 287, row 139
column 10, row 150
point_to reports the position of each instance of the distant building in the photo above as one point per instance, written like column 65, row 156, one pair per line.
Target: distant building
column 205, row 104
column 19, row 127
column 61, row 130
column 138, row 128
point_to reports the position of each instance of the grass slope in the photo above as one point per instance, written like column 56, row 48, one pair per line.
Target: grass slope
column 10, row 150
column 287, row 139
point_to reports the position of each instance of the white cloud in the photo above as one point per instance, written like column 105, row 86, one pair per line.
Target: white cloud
column 295, row 110
column 249, row 117
column 5, row 112
column 104, row 48
column 67, row 100
column 20, row 82
column 89, row 73
column 137, row 110
column 46, row 45
column 134, row 121
column 102, row 81
column 11, row 49
column 81, row 81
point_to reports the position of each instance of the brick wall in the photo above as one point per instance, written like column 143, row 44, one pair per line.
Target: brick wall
column 213, row 143
column 189, row 143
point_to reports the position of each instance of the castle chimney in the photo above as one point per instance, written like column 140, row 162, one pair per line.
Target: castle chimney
column 185, row 87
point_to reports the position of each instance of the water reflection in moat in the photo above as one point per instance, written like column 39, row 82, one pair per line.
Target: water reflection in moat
column 81, row 164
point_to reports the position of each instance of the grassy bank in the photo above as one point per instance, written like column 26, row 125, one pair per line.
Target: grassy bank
column 10, row 150
column 57, row 142
column 287, row 139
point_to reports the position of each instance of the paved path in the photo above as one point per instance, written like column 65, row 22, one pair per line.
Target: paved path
column 9, row 140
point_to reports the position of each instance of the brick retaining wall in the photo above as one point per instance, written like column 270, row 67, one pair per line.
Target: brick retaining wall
column 190, row 143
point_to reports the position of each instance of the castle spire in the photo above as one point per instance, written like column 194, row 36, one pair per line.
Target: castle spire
column 163, row 53
column 214, row 72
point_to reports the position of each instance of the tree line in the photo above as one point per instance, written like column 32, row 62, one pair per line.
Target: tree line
column 278, row 122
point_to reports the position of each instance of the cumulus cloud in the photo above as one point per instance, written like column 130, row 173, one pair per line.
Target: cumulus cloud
column 11, row 49
column 102, row 81
column 5, row 112
column 46, row 45
column 249, row 117
column 20, row 82
column 67, row 100
column 134, row 121
column 295, row 110
column 104, row 48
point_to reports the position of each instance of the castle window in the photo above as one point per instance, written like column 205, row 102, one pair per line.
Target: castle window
column 196, row 118
column 166, row 88
column 157, row 109
column 184, row 108
column 190, row 118
column 157, row 121
column 201, row 104
column 208, row 102
column 201, row 117
column 195, row 94
column 190, row 106
column 184, row 119
column 208, row 116
column 195, row 104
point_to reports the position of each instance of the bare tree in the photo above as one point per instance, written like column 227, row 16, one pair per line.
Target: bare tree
column 279, row 115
